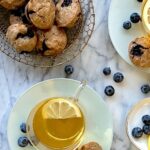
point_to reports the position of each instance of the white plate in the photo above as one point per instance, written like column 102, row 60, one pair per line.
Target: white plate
column 134, row 119
column 100, row 125
column 120, row 11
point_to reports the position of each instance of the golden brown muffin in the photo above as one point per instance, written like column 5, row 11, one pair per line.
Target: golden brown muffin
column 12, row 4
column 41, row 13
column 139, row 52
column 67, row 13
column 52, row 42
column 21, row 37
column 91, row 146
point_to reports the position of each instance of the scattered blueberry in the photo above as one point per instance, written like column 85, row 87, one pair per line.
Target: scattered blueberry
column 23, row 141
column 146, row 129
column 146, row 119
column 118, row 77
column 107, row 71
column 66, row 3
column 135, row 18
column 137, row 132
column 145, row 88
column 69, row 69
column 140, row 0
column 23, row 127
column 127, row 25
column 109, row 90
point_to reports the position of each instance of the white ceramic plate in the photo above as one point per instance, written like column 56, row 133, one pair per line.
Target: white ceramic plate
column 134, row 120
column 119, row 12
column 100, row 122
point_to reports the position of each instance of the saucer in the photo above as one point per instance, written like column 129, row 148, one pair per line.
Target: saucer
column 99, row 125
column 119, row 12
column 134, row 119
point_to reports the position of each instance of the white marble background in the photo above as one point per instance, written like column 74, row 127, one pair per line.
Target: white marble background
column 15, row 78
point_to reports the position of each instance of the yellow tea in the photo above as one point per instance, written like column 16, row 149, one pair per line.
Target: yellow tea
column 58, row 123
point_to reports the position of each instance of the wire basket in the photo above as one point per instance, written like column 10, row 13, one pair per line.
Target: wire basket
column 78, row 38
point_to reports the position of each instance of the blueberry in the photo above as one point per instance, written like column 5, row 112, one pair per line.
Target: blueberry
column 23, row 127
column 55, row 1
column 145, row 88
column 146, row 119
column 69, row 69
column 23, row 141
column 25, row 20
column 20, row 35
column 30, row 33
column 18, row 12
column 137, row 132
column 44, row 46
column 127, row 25
column 109, row 90
column 140, row 0
column 107, row 71
column 135, row 18
column 66, row 3
column 146, row 129
column 118, row 77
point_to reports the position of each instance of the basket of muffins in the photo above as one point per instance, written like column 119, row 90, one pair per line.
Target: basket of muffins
column 45, row 33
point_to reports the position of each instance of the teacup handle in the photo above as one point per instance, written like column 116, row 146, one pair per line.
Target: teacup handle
column 79, row 90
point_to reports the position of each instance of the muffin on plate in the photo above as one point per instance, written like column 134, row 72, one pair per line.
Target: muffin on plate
column 12, row 4
column 139, row 52
column 51, row 42
column 67, row 12
column 41, row 13
column 21, row 37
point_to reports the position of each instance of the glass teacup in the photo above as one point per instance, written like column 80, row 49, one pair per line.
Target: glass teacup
column 56, row 124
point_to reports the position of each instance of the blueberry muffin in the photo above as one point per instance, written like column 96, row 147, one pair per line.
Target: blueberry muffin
column 12, row 4
column 139, row 52
column 51, row 42
column 67, row 13
column 41, row 13
column 18, row 16
column 21, row 37
column 91, row 146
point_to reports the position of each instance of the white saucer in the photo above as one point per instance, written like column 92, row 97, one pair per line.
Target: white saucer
column 99, row 127
column 134, row 119
column 119, row 12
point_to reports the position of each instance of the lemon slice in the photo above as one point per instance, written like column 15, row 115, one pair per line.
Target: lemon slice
column 60, row 109
column 146, row 15
column 148, row 142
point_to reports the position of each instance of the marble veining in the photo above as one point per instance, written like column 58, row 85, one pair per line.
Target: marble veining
column 15, row 78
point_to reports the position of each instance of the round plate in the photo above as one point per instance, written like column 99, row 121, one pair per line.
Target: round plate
column 119, row 12
column 134, row 120
column 100, row 118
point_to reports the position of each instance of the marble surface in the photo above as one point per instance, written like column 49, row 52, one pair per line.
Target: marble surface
column 15, row 78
